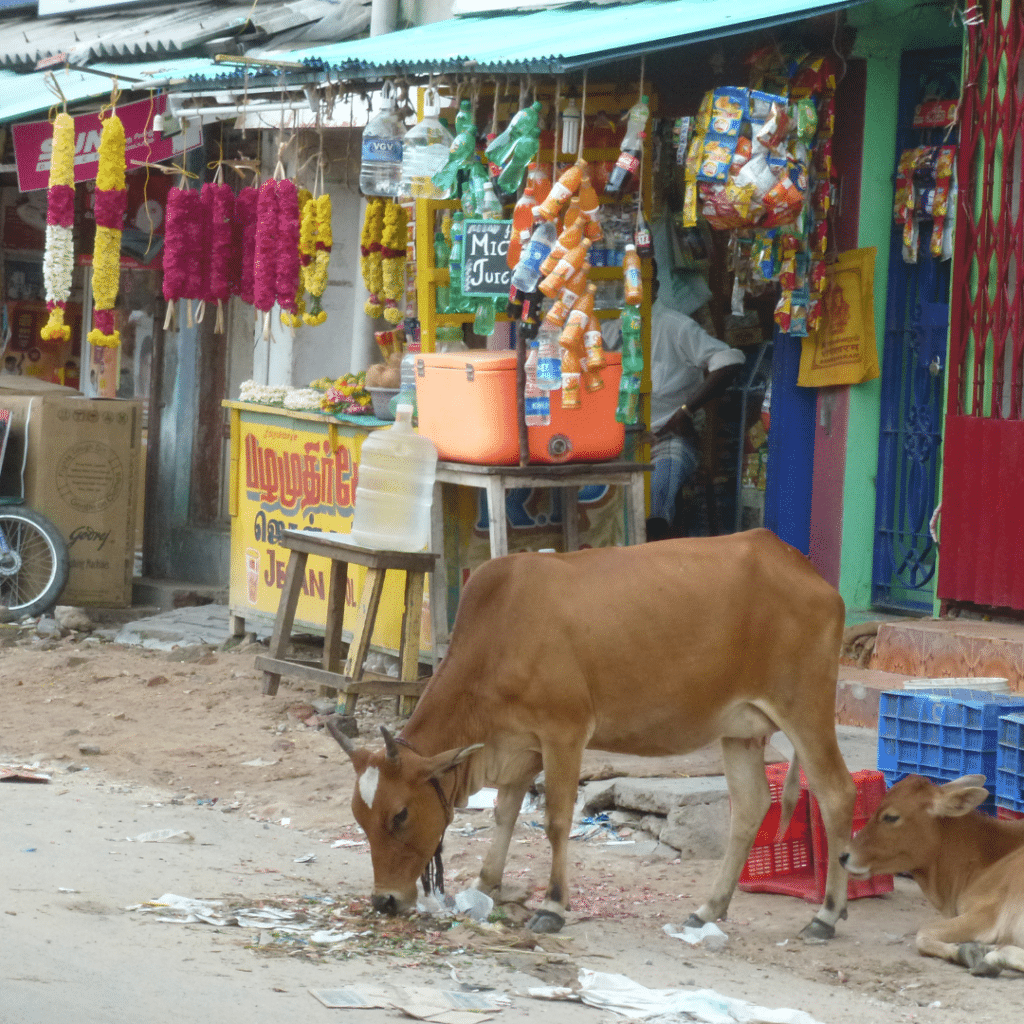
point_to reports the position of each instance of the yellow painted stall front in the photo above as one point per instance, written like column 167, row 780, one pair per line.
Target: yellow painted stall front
column 298, row 470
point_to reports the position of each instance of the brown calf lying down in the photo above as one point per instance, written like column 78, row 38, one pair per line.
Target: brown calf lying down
column 969, row 865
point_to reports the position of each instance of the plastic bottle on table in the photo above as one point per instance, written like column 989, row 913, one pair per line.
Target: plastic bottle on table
column 567, row 266
column 397, row 467
column 537, row 400
column 632, row 281
column 568, row 239
column 380, row 168
column 626, row 166
column 442, row 257
column 424, row 152
column 632, row 351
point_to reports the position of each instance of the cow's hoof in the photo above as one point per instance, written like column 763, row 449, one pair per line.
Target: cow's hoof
column 971, row 955
column 986, row 969
column 693, row 921
column 818, row 931
column 545, row 921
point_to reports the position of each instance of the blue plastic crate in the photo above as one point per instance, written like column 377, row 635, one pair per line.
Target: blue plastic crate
column 941, row 733
column 1010, row 763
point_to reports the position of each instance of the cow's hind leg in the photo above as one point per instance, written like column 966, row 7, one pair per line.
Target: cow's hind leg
column 830, row 782
column 751, row 798
column 561, row 782
column 506, row 813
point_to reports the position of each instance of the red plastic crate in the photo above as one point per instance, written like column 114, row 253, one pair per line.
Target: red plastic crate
column 785, row 866
column 797, row 864
column 870, row 790
column 1007, row 815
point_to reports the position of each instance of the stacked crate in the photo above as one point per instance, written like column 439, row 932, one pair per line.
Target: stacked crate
column 797, row 863
column 942, row 733
column 1010, row 767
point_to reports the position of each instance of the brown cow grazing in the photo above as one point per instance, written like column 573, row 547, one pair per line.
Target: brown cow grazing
column 655, row 649
column 969, row 865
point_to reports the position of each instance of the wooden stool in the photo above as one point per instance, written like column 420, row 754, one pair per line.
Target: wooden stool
column 352, row 681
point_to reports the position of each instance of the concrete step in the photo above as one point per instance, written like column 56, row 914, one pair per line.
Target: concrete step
column 166, row 594
column 858, row 693
column 947, row 648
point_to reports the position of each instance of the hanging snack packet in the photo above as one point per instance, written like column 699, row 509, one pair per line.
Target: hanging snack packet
column 804, row 115
column 728, row 107
column 783, row 317
column 940, row 197
column 773, row 132
column 798, row 320
column 785, row 199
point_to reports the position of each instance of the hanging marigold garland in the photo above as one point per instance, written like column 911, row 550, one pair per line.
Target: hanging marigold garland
column 243, row 235
column 370, row 256
column 318, row 257
column 296, row 318
column 59, row 261
column 110, row 202
column 219, row 205
column 393, row 239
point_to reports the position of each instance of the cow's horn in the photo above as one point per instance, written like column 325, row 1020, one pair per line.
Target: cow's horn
column 390, row 746
column 334, row 728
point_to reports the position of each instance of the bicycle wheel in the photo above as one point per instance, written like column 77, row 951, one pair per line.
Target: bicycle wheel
column 33, row 563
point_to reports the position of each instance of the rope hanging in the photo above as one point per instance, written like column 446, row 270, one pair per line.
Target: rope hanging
column 583, row 115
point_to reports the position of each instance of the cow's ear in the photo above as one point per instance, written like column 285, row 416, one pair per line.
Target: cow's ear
column 959, row 797
column 436, row 766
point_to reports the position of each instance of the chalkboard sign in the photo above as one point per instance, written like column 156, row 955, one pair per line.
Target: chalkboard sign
column 485, row 271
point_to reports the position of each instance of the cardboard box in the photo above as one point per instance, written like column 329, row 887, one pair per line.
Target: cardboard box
column 466, row 404
column 82, row 470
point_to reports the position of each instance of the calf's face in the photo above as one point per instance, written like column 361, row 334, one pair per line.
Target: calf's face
column 400, row 804
column 905, row 832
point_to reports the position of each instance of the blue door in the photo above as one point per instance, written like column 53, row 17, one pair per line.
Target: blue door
column 913, row 371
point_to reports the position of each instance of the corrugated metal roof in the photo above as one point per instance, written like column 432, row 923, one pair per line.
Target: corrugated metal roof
column 558, row 40
column 24, row 95
column 170, row 29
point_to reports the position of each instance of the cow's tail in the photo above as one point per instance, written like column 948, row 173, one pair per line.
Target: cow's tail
column 790, row 795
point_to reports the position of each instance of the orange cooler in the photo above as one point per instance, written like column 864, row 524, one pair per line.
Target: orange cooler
column 466, row 403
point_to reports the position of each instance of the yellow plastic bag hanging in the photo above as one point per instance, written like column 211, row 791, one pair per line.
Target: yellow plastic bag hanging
column 842, row 350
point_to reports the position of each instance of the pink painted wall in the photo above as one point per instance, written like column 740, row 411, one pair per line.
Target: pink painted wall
column 827, row 484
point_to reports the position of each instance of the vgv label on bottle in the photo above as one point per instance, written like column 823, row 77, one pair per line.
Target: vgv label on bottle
column 380, row 151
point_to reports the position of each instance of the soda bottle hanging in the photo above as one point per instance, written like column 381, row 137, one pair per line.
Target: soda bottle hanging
column 627, row 166
column 442, row 258
column 632, row 348
column 527, row 272
column 572, row 367
column 629, row 399
column 483, row 319
column 593, row 343
column 537, row 401
column 549, row 359
column 568, row 265
column 633, row 282
column 568, row 239
column 567, row 184
column 642, row 236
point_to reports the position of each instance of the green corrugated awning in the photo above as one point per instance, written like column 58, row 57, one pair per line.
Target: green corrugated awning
column 554, row 41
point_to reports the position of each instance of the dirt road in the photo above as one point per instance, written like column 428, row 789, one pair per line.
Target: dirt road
column 191, row 746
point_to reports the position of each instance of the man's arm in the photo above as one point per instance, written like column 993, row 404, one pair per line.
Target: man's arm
column 713, row 385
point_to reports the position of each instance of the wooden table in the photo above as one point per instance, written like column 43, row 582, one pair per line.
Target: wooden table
column 568, row 477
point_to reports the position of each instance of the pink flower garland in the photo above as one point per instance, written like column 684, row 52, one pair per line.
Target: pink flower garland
column 243, row 245
column 287, row 238
column 175, row 255
column 265, row 263
column 219, row 203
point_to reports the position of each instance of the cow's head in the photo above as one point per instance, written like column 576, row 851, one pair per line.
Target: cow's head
column 401, row 804
column 905, row 832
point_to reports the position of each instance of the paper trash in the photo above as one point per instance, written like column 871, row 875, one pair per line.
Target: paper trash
column 709, row 935
column 624, row 996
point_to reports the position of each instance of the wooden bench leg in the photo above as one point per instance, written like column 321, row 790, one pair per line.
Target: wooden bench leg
column 334, row 620
column 362, row 629
column 409, row 654
column 293, row 577
column 570, row 518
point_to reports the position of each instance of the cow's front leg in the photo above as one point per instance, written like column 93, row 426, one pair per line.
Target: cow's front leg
column 751, row 798
column 506, row 813
column 1000, row 959
column 953, row 939
column 561, row 782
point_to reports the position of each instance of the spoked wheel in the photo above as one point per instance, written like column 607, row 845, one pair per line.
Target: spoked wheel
column 33, row 563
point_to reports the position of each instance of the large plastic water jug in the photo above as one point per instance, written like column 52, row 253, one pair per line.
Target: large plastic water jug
column 396, row 486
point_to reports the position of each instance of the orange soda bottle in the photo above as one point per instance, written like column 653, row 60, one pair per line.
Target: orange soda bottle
column 568, row 239
column 585, row 302
column 593, row 342
column 541, row 181
column 588, row 198
column 576, row 286
column 634, row 285
column 568, row 265
column 572, row 214
column 568, row 182
column 556, row 317
column 592, row 379
column 593, row 230
column 571, row 338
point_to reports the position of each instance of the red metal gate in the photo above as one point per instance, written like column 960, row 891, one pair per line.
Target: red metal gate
column 982, row 553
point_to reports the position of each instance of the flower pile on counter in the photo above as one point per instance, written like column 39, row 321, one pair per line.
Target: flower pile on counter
column 347, row 395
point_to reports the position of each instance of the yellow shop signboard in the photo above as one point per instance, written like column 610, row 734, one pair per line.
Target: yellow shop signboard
column 298, row 471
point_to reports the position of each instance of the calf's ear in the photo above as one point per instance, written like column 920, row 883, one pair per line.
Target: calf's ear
column 959, row 797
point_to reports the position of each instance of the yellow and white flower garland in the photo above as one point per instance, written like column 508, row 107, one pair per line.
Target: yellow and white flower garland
column 59, row 259
column 316, row 243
